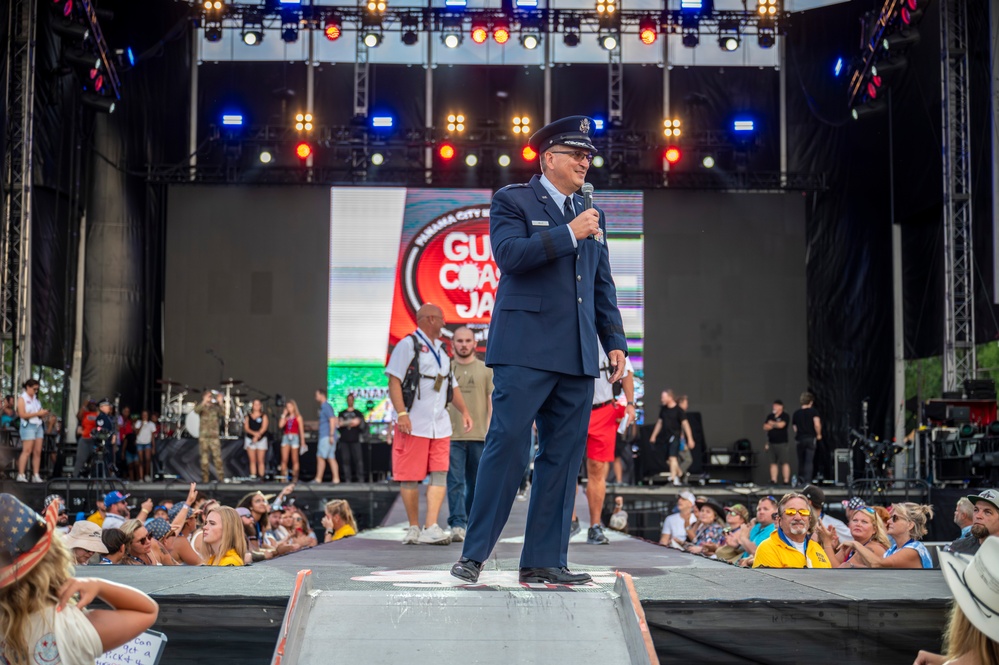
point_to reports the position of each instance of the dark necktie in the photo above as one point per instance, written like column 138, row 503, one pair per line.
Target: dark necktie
column 568, row 211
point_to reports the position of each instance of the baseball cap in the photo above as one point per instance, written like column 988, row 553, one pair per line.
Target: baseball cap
column 814, row 494
column 689, row 496
column 243, row 512
column 114, row 497
column 158, row 528
column 52, row 498
column 740, row 510
column 173, row 512
column 991, row 496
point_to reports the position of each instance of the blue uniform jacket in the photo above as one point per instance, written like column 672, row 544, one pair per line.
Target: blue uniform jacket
column 553, row 300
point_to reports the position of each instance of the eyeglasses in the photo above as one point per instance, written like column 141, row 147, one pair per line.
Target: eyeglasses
column 897, row 518
column 143, row 540
column 804, row 512
column 576, row 155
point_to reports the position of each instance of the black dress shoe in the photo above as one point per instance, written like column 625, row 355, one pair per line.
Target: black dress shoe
column 552, row 576
column 467, row 570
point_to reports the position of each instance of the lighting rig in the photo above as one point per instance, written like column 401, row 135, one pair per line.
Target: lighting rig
column 87, row 54
column 887, row 37
column 607, row 21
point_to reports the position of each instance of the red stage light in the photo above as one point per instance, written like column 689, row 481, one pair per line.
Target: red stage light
column 333, row 30
column 873, row 86
column 501, row 34
column 528, row 153
column 672, row 154
column 446, row 151
column 647, row 31
column 303, row 150
column 479, row 34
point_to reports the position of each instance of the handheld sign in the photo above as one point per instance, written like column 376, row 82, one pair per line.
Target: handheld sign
column 145, row 649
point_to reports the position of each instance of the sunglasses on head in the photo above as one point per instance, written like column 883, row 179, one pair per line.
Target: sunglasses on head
column 771, row 497
column 804, row 512
column 868, row 510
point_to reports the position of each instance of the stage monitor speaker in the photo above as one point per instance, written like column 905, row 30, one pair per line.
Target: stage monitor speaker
column 843, row 466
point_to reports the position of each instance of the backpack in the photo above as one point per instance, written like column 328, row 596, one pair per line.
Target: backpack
column 411, row 382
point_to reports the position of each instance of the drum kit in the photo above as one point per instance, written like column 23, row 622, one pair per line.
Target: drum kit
column 177, row 416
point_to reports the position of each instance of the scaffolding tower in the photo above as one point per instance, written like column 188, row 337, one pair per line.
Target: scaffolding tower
column 959, row 362
column 15, row 234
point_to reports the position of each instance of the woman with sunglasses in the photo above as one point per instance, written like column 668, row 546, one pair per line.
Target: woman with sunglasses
column 907, row 526
column 141, row 549
column 866, row 528
column 301, row 533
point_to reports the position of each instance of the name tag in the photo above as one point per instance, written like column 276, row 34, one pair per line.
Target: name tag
column 539, row 222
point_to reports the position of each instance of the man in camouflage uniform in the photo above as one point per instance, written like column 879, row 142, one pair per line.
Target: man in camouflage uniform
column 208, row 435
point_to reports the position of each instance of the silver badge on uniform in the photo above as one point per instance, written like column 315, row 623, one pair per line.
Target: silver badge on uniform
column 539, row 222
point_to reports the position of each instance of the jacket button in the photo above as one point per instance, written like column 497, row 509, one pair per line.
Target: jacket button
column 579, row 278
column 579, row 300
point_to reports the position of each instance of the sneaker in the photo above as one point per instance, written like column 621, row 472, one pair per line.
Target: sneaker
column 147, row 479
column 412, row 535
column 21, row 478
column 574, row 529
column 253, row 477
column 457, row 534
column 677, row 482
column 433, row 535
column 37, row 479
column 595, row 536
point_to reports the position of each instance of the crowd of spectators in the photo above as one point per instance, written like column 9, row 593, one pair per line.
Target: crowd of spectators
column 796, row 531
column 196, row 531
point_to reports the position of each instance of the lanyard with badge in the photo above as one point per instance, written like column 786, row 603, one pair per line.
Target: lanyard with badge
column 439, row 379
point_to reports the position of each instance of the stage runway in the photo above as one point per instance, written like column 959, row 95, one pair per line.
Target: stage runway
column 697, row 610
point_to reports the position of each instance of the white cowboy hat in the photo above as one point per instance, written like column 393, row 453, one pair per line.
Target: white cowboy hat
column 975, row 585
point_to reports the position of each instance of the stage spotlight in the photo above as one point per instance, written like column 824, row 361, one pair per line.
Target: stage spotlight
column 382, row 122
column 912, row 11
column 446, row 152
column 767, row 8
column 410, row 27
column 671, row 127
column 598, row 161
column 647, row 32
column 213, row 32
column 501, row 32
column 253, row 33
column 376, row 7
column 83, row 59
column 456, row 122
column 530, row 40
column 377, row 159
column 459, row 4
column 289, row 33
column 872, row 107
column 64, row 7
column 265, row 156
column 232, row 119
column 451, row 39
column 608, row 41
column 672, row 154
column 886, row 68
column 303, row 122
column 606, row 8
column 708, row 162
column 766, row 37
column 873, row 86
column 98, row 102
column 526, row 4
column 303, row 150
column 214, row 5
column 521, row 125
column 503, row 160
column 692, row 5
column 372, row 39
column 471, row 160
column 480, row 33
column 691, row 39
column 570, row 30
column 900, row 40
column 529, row 154
column 743, row 125
column 71, row 30
column 451, row 35
column 728, row 43
column 728, row 34
column 333, row 29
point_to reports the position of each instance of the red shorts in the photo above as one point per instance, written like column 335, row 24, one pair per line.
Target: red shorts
column 413, row 457
column 602, row 433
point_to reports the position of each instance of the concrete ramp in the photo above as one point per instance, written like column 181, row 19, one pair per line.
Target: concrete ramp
column 469, row 624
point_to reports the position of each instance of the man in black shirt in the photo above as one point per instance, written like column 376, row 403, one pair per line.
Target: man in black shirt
column 807, row 433
column 351, row 426
column 776, row 426
column 673, row 423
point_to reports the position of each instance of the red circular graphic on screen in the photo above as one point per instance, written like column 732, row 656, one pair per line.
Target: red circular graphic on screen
column 453, row 268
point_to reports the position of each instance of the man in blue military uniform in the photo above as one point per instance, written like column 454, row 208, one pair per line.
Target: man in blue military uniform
column 554, row 299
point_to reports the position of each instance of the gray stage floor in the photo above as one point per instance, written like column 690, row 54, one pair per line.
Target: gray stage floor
column 697, row 609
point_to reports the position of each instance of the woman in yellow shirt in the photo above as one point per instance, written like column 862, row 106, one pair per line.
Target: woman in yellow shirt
column 339, row 520
column 223, row 542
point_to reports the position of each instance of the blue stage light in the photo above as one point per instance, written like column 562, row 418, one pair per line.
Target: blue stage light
column 460, row 4
column 598, row 124
column 526, row 4
column 692, row 5
column 131, row 56
column 743, row 125
column 838, row 67
column 232, row 119
column 290, row 2
column 382, row 121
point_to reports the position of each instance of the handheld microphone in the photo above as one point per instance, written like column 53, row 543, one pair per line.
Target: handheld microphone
column 587, row 190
